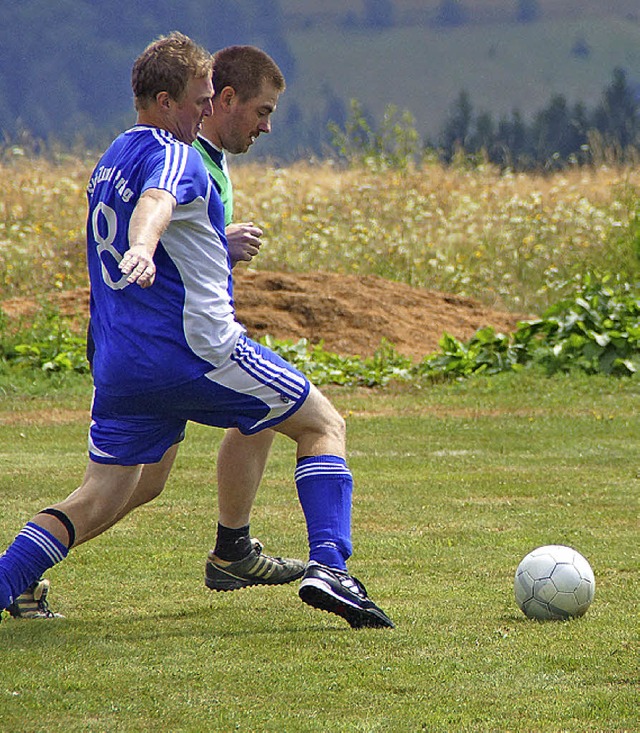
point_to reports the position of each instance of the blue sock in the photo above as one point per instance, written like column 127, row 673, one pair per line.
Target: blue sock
column 325, row 485
column 32, row 552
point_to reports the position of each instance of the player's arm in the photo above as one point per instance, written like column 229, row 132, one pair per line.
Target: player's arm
column 243, row 241
column 150, row 218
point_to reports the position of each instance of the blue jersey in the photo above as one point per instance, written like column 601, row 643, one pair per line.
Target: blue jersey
column 184, row 324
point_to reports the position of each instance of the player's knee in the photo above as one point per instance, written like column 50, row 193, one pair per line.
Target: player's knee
column 336, row 425
column 317, row 426
column 330, row 421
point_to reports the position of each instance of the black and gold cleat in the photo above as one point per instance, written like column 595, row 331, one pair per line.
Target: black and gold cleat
column 254, row 569
column 32, row 604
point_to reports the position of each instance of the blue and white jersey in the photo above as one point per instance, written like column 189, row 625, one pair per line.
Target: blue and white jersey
column 184, row 324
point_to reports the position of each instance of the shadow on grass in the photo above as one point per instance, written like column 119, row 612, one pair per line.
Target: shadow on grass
column 164, row 625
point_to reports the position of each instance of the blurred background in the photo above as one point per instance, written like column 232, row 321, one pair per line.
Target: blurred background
column 524, row 82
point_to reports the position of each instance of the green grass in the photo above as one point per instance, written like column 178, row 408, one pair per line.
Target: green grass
column 455, row 483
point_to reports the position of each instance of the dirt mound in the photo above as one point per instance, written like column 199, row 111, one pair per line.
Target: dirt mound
column 351, row 314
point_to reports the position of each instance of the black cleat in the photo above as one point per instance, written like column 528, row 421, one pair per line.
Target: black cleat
column 338, row 592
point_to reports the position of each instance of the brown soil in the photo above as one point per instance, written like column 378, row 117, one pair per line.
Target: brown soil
column 350, row 314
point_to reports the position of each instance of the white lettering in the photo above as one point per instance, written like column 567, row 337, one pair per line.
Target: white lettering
column 104, row 174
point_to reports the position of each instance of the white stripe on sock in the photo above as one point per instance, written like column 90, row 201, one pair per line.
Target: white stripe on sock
column 44, row 543
column 325, row 469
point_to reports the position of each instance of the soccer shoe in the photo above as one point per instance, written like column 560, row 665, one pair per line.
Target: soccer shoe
column 254, row 569
column 33, row 602
column 338, row 592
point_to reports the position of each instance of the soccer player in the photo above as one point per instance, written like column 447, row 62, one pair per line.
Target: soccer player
column 247, row 85
column 168, row 348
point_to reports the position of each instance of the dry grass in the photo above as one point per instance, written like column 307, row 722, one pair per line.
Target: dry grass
column 42, row 220
column 510, row 240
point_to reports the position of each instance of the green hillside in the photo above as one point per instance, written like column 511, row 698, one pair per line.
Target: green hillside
column 65, row 67
column 502, row 67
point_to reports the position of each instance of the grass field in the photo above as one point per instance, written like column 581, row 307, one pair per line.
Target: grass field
column 454, row 485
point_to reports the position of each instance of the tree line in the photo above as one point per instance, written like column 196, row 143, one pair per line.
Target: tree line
column 64, row 79
column 65, row 66
column 557, row 136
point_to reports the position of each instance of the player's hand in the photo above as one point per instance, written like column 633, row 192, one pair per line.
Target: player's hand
column 243, row 240
column 138, row 264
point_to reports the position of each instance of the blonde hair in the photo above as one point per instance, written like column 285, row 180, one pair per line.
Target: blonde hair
column 167, row 65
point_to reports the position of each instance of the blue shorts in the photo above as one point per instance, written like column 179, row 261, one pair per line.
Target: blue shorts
column 253, row 390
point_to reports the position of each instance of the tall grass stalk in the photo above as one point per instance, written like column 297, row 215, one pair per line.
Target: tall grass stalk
column 512, row 241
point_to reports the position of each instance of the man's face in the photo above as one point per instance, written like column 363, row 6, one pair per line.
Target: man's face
column 188, row 114
column 244, row 121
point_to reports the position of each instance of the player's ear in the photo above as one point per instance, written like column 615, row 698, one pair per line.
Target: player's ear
column 163, row 100
column 227, row 97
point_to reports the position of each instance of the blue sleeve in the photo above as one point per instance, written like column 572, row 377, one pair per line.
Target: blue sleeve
column 178, row 169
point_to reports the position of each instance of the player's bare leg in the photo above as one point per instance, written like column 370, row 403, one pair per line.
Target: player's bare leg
column 143, row 483
column 241, row 463
column 317, row 427
column 47, row 538
column 240, row 466
column 96, row 504
column 153, row 478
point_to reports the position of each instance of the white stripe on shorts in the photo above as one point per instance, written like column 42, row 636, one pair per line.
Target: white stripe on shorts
column 248, row 372
column 93, row 448
column 285, row 382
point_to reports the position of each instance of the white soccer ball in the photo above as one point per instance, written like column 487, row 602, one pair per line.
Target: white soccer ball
column 554, row 582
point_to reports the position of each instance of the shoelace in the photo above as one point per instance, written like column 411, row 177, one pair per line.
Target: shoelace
column 259, row 547
column 43, row 607
column 354, row 585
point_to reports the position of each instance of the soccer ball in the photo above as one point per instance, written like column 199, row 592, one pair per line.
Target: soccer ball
column 554, row 582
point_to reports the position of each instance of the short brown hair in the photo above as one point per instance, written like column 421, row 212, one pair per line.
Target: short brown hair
column 245, row 68
column 166, row 65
